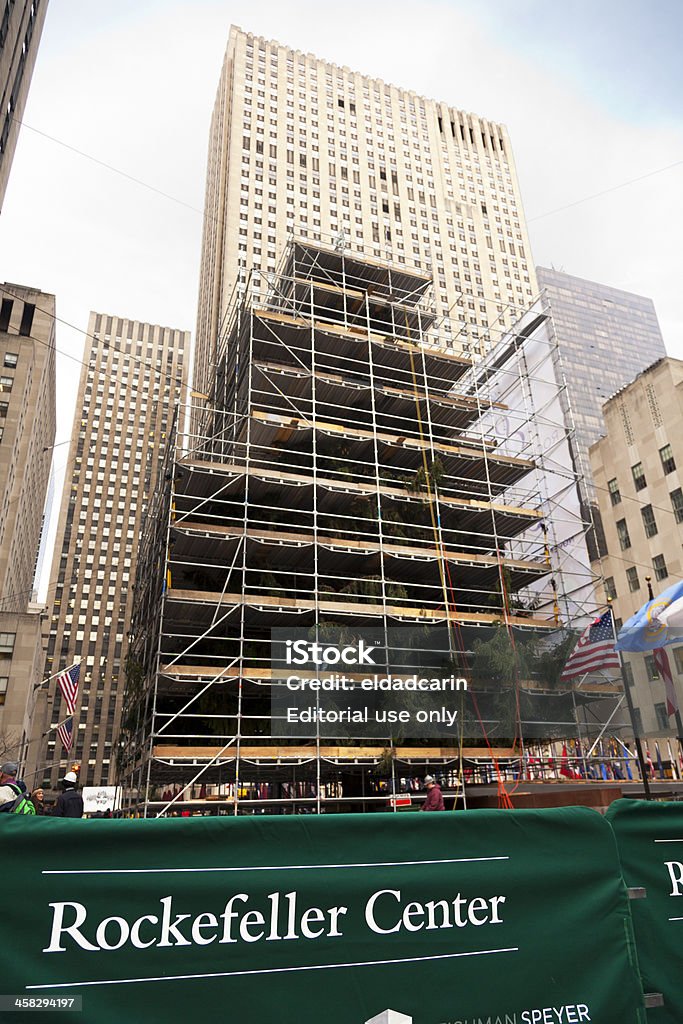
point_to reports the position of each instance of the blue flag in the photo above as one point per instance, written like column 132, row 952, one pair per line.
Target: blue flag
column 644, row 631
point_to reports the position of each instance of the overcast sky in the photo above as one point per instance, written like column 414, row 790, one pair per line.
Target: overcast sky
column 590, row 91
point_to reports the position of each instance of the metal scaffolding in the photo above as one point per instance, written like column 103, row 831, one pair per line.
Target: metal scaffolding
column 348, row 470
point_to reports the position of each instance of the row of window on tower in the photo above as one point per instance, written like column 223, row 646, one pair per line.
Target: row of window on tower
column 638, row 473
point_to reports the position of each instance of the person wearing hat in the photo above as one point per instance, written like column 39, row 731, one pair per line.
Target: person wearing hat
column 434, row 801
column 70, row 802
column 38, row 800
column 13, row 792
column 8, row 777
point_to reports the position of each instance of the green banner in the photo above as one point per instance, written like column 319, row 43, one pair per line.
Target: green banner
column 650, row 842
column 483, row 917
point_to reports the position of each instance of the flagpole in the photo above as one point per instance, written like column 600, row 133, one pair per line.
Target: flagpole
column 32, row 696
column 679, row 722
column 631, row 713
column 38, row 739
column 42, row 735
column 37, row 686
column 605, row 727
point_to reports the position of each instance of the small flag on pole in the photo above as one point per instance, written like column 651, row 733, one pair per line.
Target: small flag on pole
column 65, row 733
column 594, row 650
column 658, row 623
column 661, row 660
column 68, row 684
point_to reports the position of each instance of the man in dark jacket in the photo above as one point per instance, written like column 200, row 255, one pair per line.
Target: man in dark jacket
column 434, row 801
column 70, row 802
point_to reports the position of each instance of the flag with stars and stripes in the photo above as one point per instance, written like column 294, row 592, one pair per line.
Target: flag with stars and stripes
column 594, row 651
column 68, row 684
column 664, row 669
column 65, row 732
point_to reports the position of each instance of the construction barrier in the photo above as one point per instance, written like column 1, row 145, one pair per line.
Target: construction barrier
column 650, row 843
column 503, row 917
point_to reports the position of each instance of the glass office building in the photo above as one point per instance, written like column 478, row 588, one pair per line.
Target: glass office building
column 606, row 338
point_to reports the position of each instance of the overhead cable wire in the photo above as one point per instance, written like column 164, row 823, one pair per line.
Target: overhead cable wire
column 605, row 191
column 108, row 166
column 5, row 290
column 189, row 206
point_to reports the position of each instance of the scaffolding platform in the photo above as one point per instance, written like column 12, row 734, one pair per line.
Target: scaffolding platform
column 348, row 470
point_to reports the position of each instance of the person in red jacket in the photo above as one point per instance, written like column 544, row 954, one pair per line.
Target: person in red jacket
column 434, row 801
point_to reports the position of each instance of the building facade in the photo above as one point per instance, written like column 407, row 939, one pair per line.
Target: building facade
column 21, row 25
column 363, row 449
column 606, row 336
column 129, row 394
column 22, row 656
column 27, row 433
column 299, row 145
column 638, row 472
column 346, row 476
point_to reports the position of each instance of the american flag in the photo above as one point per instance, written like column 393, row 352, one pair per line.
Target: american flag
column 65, row 733
column 594, row 650
column 68, row 684
column 662, row 665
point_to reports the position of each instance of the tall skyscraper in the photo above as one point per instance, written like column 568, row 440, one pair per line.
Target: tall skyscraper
column 301, row 145
column 606, row 336
column 27, row 433
column 22, row 656
column 21, row 25
column 129, row 393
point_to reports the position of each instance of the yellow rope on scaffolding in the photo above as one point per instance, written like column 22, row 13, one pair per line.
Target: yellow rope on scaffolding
column 452, row 624
column 504, row 800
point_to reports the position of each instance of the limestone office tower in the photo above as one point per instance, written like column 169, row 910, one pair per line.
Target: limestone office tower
column 130, row 389
column 21, row 25
column 638, row 472
column 329, row 378
column 301, row 145
column 27, row 434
